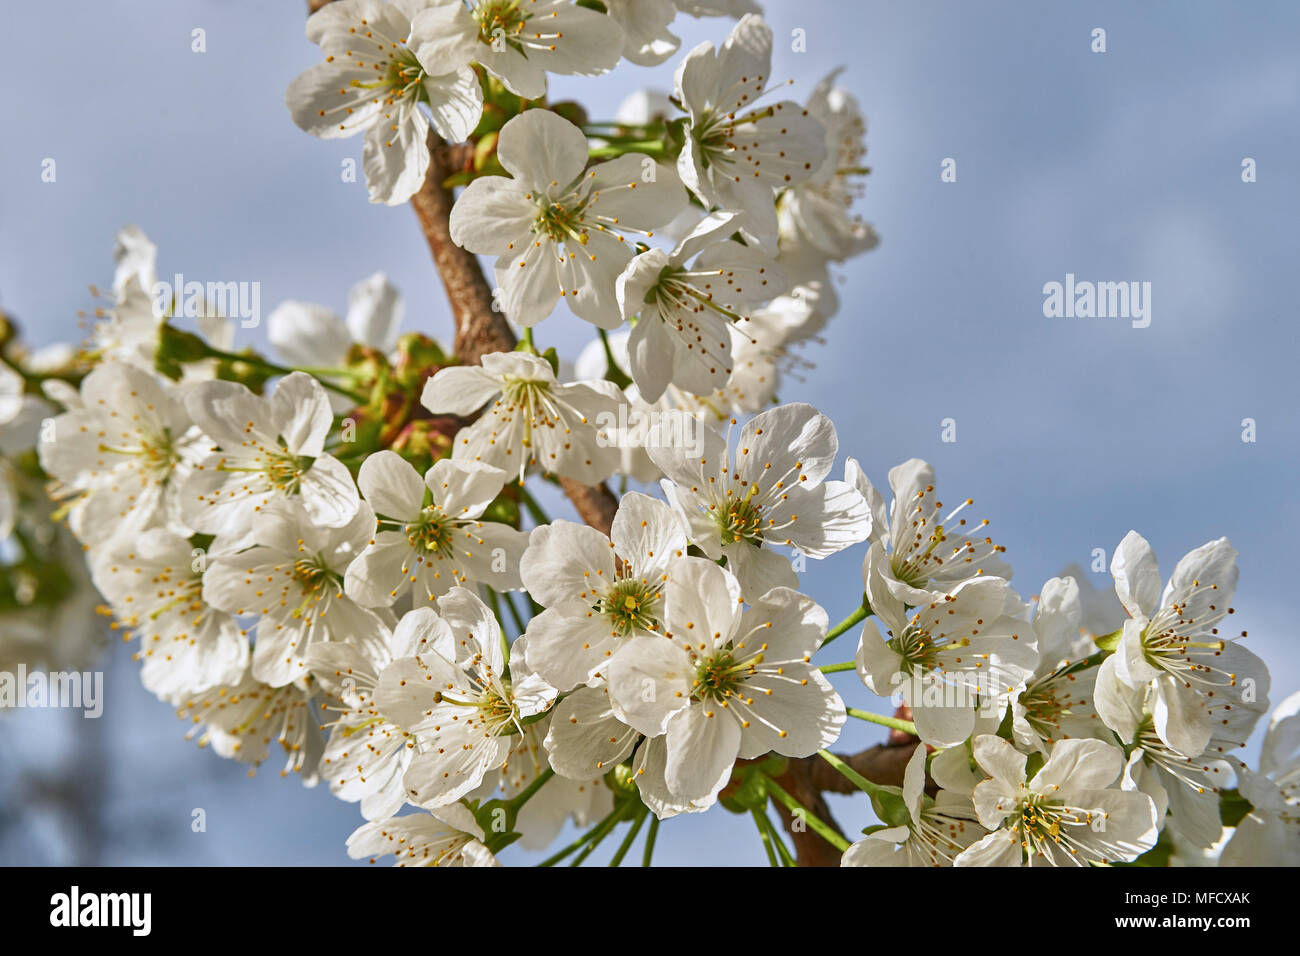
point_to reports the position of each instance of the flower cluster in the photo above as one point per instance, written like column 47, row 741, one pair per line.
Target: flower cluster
column 340, row 549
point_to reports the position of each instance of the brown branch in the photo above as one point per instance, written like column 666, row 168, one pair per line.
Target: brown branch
column 481, row 329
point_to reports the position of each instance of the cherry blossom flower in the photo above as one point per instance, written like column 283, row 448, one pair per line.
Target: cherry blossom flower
column 457, row 700
column 935, row 831
column 125, row 456
column 737, row 153
column 520, row 41
column 241, row 721
column 730, row 683
column 965, row 650
column 772, row 493
column 1270, row 834
column 927, row 553
column 530, row 419
column 367, row 754
column 600, row 593
column 819, row 211
column 430, row 537
column 154, row 584
column 685, row 310
column 1056, row 702
column 560, row 230
column 269, row 449
column 1174, row 640
column 1067, row 814
column 448, row 836
column 291, row 578
column 382, row 61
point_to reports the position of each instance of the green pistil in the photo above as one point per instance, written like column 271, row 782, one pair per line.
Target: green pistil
column 528, row 395
column 670, row 291
column 501, row 19
column 187, row 593
column 629, row 606
column 742, row 520
column 432, row 532
column 918, row 650
column 158, row 453
column 496, row 708
column 1042, row 709
column 285, row 471
column 498, row 712
column 1041, row 821
column 718, row 679
column 405, row 74
column 1162, row 646
column 562, row 223
column 404, row 77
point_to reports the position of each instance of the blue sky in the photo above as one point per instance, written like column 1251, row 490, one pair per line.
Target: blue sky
column 1123, row 165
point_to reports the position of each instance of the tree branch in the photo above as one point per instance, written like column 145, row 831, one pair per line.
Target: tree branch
column 481, row 329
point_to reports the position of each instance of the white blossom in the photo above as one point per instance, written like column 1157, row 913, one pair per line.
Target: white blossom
column 531, row 420
column 557, row 228
column 382, row 62
column 1067, row 814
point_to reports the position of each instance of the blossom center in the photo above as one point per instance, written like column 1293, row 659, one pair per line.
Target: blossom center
column 741, row 520
column 405, row 75
column 1042, row 821
column 431, row 532
column 500, row 22
column 562, row 222
column 156, row 453
column 720, row 677
column 631, row 605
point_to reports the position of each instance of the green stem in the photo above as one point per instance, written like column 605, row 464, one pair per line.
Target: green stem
column 626, row 130
column 893, row 723
column 526, row 341
column 613, row 372
column 859, row 781
column 526, row 794
column 650, row 836
column 651, row 147
column 765, row 823
column 604, row 828
column 837, row 668
column 626, row 845
column 861, row 614
column 259, row 362
column 824, row 830
column 582, row 840
column 787, row 858
column 766, row 838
